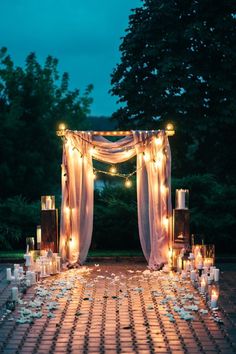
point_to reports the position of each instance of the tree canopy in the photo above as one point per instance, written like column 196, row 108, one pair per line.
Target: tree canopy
column 33, row 100
column 178, row 64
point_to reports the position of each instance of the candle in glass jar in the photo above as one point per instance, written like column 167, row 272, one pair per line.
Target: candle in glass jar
column 48, row 203
column 214, row 298
column 39, row 234
column 203, row 285
column 180, row 199
column 208, row 262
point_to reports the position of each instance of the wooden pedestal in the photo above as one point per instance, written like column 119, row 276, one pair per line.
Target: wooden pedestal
column 49, row 227
column 181, row 235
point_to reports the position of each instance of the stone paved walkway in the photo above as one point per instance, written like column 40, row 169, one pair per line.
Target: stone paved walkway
column 116, row 308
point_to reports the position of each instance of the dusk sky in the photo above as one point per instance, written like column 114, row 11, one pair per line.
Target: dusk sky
column 83, row 35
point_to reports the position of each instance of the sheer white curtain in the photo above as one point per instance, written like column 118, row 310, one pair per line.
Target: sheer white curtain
column 153, row 190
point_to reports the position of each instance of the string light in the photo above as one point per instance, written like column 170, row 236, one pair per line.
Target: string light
column 92, row 150
column 94, row 175
column 113, row 170
column 158, row 141
column 166, row 222
column 163, row 189
column 128, row 183
column 146, row 157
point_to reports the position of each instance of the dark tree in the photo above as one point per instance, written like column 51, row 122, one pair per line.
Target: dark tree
column 33, row 100
column 178, row 63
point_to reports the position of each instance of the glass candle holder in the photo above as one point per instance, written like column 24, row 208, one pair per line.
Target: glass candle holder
column 182, row 199
column 48, row 202
column 30, row 244
column 39, row 236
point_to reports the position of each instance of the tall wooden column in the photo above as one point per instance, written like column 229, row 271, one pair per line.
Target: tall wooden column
column 49, row 227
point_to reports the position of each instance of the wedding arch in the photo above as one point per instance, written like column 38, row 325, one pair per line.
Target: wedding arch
column 153, row 155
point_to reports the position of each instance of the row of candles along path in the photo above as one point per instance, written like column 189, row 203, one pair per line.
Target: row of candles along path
column 47, row 264
column 200, row 270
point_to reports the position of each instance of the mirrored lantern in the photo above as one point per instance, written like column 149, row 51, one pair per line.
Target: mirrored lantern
column 182, row 199
column 48, row 202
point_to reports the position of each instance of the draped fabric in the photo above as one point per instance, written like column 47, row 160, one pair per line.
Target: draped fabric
column 153, row 190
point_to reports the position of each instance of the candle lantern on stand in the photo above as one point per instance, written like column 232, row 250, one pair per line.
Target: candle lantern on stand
column 49, row 224
column 181, row 235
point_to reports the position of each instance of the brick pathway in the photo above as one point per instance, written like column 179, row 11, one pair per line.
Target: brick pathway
column 116, row 308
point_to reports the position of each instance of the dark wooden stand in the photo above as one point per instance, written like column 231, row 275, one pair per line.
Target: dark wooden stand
column 181, row 234
column 49, row 227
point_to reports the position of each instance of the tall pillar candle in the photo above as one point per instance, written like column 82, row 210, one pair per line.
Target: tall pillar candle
column 14, row 293
column 8, row 270
column 216, row 273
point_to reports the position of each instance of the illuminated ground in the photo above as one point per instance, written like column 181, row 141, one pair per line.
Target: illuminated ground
column 116, row 308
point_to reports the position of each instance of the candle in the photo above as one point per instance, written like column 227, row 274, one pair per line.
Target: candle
column 16, row 274
column 208, row 262
column 14, row 293
column 48, row 203
column 8, row 270
column 58, row 258
column 203, row 285
column 216, row 274
column 199, row 261
column 39, row 234
column 32, row 277
column 180, row 194
column 214, row 298
column 27, row 258
column 193, row 275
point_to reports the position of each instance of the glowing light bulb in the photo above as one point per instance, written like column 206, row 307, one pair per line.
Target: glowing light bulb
column 157, row 163
column 92, row 150
column 128, row 183
column 146, row 157
column 62, row 126
column 67, row 210
column 113, row 169
column 158, row 141
column 163, row 188
column 166, row 222
column 170, row 126
column 160, row 156
column 94, row 175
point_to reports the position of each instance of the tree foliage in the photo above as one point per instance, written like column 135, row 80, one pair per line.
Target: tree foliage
column 33, row 100
column 178, row 63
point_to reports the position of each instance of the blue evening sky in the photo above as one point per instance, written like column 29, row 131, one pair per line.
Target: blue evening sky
column 83, row 34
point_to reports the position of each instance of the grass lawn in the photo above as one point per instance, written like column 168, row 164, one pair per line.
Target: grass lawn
column 97, row 253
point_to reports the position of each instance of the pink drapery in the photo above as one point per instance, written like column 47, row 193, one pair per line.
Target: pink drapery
column 153, row 190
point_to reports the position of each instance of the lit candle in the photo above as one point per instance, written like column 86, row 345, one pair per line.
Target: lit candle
column 203, row 285
column 39, row 234
column 214, row 298
column 8, row 270
column 14, row 293
column 48, row 203
column 216, row 273
column 199, row 261
column 180, row 199
column 208, row 262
